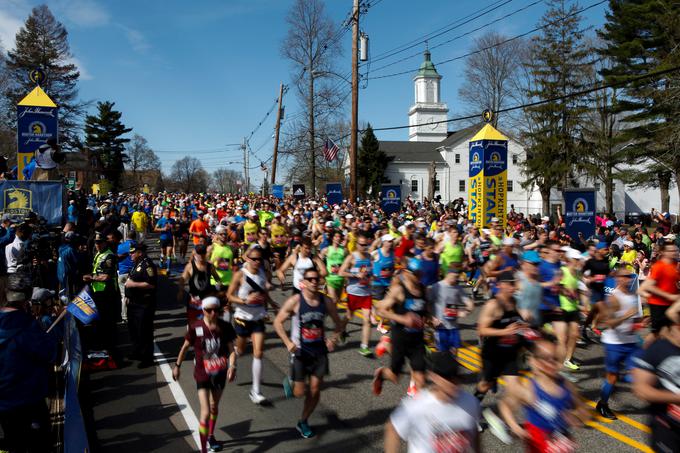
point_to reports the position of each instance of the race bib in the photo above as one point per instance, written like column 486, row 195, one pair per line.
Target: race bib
column 335, row 268
column 673, row 411
column 256, row 300
column 451, row 442
column 508, row 340
column 311, row 333
column 215, row 365
column 450, row 313
column 222, row 264
column 559, row 443
column 386, row 273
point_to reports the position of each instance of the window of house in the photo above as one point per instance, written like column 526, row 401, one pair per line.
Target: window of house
column 515, row 158
column 597, row 186
column 510, row 185
column 414, row 185
column 457, row 158
column 461, row 185
column 436, row 185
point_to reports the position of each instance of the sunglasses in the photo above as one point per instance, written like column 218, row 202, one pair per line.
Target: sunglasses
column 258, row 259
column 361, row 244
column 312, row 279
column 210, row 310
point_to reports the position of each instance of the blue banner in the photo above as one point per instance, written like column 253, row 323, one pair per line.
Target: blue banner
column 277, row 191
column 334, row 193
column 35, row 125
column 579, row 212
column 299, row 191
column 390, row 199
column 45, row 198
column 82, row 306
column 75, row 436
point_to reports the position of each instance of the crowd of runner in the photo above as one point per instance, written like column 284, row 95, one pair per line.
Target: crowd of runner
column 408, row 277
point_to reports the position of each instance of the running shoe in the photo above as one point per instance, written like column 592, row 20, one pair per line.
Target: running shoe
column 497, row 427
column 213, row 445
column 569, row 377
column 412, row 389
column 304, row 429
column 377, row 381
column 257, row 398
column 287, row 388
column 603, row 410
column 366, row 352
column 343, row 337
column 568, row 364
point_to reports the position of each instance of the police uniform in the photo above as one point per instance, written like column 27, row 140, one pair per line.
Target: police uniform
column 106, row 297
column 141, row 309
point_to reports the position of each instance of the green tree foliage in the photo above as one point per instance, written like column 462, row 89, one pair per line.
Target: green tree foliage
column 643, row 36
column 43, row 43
column 557, row 67
column 104, row 136
column 371, row 163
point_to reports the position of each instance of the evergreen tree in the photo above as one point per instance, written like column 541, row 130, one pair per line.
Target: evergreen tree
column 372, row 163
column 557, row 68
column 104, row 136
column 43, row 43
column 643, row 36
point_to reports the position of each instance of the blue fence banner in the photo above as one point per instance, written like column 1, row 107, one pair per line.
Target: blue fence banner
column 334, row 193
column 299, row 191
column 277, row 191
column 390, row 199
column 75, row 435
column 82, row 306
column 45, row 198
column 579, row 212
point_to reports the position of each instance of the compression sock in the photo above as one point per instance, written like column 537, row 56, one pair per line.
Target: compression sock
column 169, row 262
column 203, row 435
column 606, row 391
column 211, row 424
column 257, row 374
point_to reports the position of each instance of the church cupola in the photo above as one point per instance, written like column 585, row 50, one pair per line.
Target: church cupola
column 428, row 107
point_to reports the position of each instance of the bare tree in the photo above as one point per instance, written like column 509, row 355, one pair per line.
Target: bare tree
column 141, row 159
column 311, row 45
column 188, row 175
column 489, row 73
column 225, row 181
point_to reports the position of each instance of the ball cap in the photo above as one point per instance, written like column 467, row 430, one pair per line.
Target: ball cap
column 507, row 276
column 387, row 238
column 531, row 256
column 210, row 302
column 137, row 247
column 443, row 364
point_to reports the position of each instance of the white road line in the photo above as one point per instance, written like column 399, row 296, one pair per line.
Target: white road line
column 180, row 398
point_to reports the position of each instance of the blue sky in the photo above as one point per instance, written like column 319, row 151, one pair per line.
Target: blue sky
column 193, row 77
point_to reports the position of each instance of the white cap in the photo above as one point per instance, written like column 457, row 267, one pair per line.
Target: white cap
column 277, row 214
column 320, row 209
column 296, row 212
column 220, row 229
column 669, row 237
column 252, row 213
column 210, row 302
column 349, row 216
column 387, row 237
column 628, row 243
column 545, row 218
column 486, row 231
column 509, row 241
column 329, row 224
column 336, row 207
column 574, row 254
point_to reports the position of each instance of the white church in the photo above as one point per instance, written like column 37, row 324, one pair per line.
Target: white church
column 411, row 159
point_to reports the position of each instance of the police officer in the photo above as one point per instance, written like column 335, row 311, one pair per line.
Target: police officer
column 104, row 283
column 140, row 291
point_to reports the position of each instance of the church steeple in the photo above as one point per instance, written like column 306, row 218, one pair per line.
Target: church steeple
column 428, row 107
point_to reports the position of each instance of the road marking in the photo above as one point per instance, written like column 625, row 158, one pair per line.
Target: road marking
column 635, row 424
column 180, row 398
column 620, row 437
column 469, row 356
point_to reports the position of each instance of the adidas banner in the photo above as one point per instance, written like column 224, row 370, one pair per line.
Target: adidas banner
column 299, row 191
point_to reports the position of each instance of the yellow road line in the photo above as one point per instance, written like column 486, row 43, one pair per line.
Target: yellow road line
column 469, row 367
column 471, row 346
column 469, row 357
column 620, row 437
column 635, row 424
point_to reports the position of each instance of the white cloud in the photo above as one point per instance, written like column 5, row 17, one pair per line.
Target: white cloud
column 84, row 73
column 85, row 13
column 9, row 25
column 136, row 39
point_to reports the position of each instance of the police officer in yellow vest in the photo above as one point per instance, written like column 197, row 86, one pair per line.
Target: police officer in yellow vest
column 104, row 284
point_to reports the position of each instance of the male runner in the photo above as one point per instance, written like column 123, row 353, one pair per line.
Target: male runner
column 164, row 226
column 307, row 343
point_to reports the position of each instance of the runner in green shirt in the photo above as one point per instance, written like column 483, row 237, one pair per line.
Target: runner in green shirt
column 567, row 330
column 334, row 255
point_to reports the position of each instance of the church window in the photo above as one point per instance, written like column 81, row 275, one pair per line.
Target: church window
column 510, row 185
column 457, row 158
column 436, row 185
column 429, row 91
column 597, row 186
column 414, row 185
column 515, row 158
column 461, row 185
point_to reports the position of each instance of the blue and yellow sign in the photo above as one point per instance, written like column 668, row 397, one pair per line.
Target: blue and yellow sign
column 45, row 198
column 37, row 122
column 334, row 193
column 390, row 199
column 487, row 186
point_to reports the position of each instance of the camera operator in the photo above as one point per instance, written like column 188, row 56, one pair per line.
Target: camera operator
column 13, row 250
column 47, row 157
column 6, row 237
column 26, row 353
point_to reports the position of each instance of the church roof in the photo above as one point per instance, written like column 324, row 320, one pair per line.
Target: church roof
column 427, row 68
column 406, row 151
column 456, row 137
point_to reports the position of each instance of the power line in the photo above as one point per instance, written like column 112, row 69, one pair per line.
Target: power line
column 592, row 89
column 460, row 57
column 462, row 35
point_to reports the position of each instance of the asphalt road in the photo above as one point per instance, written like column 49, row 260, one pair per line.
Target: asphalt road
column 349, row 416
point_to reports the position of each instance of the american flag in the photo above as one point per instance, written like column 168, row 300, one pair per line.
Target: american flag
column 330, row 150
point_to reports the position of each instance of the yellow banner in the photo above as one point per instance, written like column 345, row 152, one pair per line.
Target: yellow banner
column 495, row 198
column 475, row 200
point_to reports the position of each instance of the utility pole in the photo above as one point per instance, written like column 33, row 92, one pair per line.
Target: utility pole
column 355, row 105
column 245, row 166
column 276, row 136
